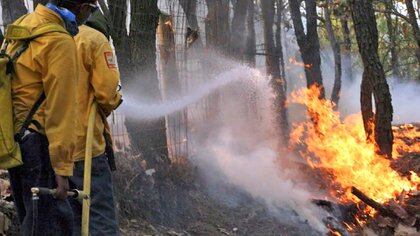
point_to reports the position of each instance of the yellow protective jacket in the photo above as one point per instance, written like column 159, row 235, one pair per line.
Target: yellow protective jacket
column 98, row 80
column 49, row 65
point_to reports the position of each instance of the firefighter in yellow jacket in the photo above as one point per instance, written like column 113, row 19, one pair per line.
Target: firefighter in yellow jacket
column 47, row 68
column 98, row 81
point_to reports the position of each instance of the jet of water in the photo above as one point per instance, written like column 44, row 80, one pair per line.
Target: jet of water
column 149, row 111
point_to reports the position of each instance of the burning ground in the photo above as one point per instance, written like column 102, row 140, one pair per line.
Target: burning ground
column 331, row 172
column 371, row 190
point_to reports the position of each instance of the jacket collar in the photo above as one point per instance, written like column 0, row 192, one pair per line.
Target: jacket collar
column 49, row 14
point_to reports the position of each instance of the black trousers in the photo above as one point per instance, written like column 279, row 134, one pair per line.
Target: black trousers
column 48, row 216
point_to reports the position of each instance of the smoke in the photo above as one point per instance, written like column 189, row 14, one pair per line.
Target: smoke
column 258, row 172
column 404, row 92
column 242, row 150
column 238, row 146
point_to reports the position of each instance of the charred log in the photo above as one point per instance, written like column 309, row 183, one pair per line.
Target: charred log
column 372, row 203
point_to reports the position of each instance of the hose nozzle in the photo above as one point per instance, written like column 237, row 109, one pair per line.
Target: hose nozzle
column 73, row 193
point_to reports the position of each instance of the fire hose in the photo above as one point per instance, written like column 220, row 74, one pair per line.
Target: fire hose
column 84, row 195
column 36, row 192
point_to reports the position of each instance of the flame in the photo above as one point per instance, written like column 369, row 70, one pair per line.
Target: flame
column 293, row 61
column 334, row 233
column 169, row 23
column 341, row 147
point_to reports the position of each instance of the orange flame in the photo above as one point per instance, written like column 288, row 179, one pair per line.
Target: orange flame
column 293, row 61
column 341, row 147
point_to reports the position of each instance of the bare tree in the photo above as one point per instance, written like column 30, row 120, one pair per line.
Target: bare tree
column 272, row 62
column 335, row 96
column 308, row 42
column 12, row 10
column 374, row 80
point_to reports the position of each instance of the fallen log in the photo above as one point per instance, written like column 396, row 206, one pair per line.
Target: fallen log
column 375, row 205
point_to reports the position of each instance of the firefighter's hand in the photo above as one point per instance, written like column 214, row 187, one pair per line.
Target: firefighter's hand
column 62, row 187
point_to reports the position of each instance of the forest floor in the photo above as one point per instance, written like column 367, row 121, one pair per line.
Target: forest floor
column 183, row 205
column 179, row 203
column 203, row 213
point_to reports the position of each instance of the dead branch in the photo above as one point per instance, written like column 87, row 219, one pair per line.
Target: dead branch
column 377, row 206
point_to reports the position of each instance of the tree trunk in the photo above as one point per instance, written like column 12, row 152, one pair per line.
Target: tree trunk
column 12, row 10
column 166, row 45
column 415, row 25
column 148, row 136
column 392, row 39
column 347, row 60
column 367, row 38
column 217, row 25
column 117, row 17
column 190, row 10
column 250, row 39
column 335, row 96
column 366, row 105
column 217, row 38
column 237, row 36
column 309, row 42
column 272, row 62
column 170, row 82
column 279, row 45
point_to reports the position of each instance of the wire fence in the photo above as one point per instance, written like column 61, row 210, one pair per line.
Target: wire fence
column 191, row 71
column 185, row 124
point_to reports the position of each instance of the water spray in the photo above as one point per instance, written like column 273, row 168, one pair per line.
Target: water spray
column 144, row 111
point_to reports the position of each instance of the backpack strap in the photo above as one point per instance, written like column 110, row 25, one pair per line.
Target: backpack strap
column 12, row 59
column 28, row 119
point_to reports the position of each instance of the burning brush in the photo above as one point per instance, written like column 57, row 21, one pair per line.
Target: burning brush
column 362, row 182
